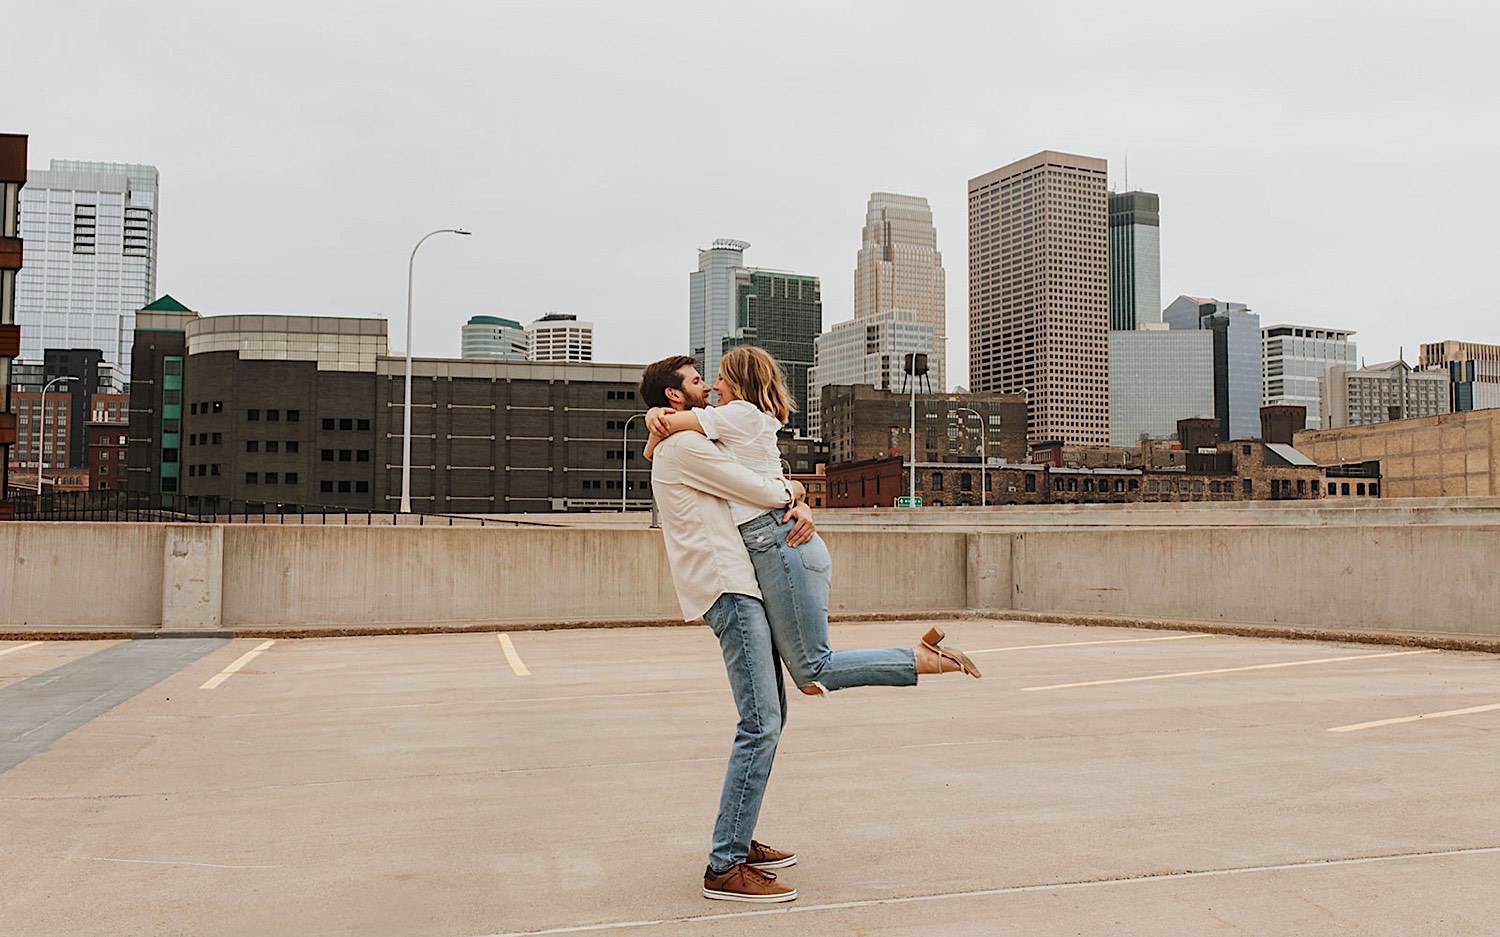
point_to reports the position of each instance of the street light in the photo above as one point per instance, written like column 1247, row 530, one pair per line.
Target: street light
column 625, row 456
column 406, row 432
column 42, row 433
column 983, row 449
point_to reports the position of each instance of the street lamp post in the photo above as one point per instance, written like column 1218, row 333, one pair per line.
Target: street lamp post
column 625, row 456
column 983, row 449
column 406, row 419
column 41, row 439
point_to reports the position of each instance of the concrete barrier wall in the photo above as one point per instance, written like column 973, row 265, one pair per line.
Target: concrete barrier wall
column 1433, row 578
column 91, row 575
column 380, row 575
column 1428, row 578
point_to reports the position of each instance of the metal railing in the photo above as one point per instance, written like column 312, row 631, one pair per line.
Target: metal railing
column 149, row 508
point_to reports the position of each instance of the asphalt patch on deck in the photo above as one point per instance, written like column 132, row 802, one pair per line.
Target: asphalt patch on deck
column 40, row 710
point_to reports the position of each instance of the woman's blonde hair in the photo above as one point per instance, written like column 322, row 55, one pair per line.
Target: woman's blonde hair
column 755, row 376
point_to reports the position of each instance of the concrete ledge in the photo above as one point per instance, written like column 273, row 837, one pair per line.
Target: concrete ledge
column 1443, row 640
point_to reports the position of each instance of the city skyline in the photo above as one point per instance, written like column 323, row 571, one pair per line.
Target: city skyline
column 1302, row 135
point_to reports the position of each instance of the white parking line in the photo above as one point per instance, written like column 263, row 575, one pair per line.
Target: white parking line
column 1391, row 722
column 233, row 668
column 1037, row 647
column 511, row 656
column 1199, row 673
column 19, row 647
column 1148, row 878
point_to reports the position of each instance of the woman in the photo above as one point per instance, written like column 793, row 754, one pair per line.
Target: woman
column 794, row 581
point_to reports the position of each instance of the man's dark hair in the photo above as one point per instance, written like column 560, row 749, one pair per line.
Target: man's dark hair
column 660, row 376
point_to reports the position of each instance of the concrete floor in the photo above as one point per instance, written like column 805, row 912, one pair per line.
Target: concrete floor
column 437, row 785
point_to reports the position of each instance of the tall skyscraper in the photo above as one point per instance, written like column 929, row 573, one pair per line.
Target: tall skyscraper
column 711, row 312
column 899, row 269
column 1294, row 359
column 92, row 260
column 1238, row 388
column 494, row 338
column 782, row 313
column 12, row 181
column 559, row 336
column 1134, row 259
column 771, row 309
column 1039, row 291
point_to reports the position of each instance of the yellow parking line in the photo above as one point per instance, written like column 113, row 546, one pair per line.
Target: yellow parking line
column 1391, row 722
column 1036, row 647
column 1199, row 673
column 19, row 647
column 233, row 668
column 513, row 657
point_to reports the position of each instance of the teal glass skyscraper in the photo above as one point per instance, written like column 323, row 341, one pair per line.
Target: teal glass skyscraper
column 1134, row 259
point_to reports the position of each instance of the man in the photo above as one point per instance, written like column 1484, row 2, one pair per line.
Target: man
column 692, row 482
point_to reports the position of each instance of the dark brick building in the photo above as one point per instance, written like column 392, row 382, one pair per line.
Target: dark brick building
column 12, row 179
column 306, row 411
column 861, row 423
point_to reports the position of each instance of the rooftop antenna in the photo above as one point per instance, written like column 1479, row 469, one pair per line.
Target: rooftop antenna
column 1127, row 170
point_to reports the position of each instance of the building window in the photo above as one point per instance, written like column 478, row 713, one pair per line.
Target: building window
column 270, row 478
column 218, row 438
column 361, row 487
column 362, row 424
column 344, row 487
column 346, row 424
column 218, row 406
column 346, row 455
column 273, row 446
column 325, row 486
column 937, row 481
column 292, row 445
column 251, row 478
column 1301, row 486
column 252, row 445
column 213, row 469
column 1030, row 482
column 1247, row 486
column 273, row 416
column 1359, row 489
column 193, row 409
column 252, row 415
column 169, row 455
column 1314, row 486
column 327, row 423
column 1245, row 450
column 293, row 416
column 362, row 455
column 326, row 455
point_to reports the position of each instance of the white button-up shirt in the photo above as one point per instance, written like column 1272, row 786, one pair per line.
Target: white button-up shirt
column 693, row 482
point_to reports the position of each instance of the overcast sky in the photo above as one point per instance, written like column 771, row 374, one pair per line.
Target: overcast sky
column 1326, row 163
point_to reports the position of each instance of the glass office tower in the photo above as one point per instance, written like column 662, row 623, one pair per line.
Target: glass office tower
column 91, row 235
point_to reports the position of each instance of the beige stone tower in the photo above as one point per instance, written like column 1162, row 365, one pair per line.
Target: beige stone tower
column 1039, row 291
column 899, row 272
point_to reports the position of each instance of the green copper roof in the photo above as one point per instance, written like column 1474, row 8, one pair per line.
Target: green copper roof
column 166, row 304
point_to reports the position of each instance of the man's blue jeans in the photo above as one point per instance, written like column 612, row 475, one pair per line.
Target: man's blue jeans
column 750, row 659
column 795, row 583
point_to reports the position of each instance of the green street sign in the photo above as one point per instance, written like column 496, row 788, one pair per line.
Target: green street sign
column 905, row 502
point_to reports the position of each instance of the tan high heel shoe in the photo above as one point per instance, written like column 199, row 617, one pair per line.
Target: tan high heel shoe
column 932, row 641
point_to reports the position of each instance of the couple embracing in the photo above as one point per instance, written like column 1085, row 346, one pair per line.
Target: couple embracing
column 745, row 556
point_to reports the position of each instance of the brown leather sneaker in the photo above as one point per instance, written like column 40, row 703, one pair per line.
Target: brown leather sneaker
column 745, row 883
column 764, row 857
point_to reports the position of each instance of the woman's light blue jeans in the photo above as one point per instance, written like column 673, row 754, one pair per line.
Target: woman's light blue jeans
column 795, row 583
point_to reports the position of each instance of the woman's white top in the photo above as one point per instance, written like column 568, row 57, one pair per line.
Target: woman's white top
column 748, row 435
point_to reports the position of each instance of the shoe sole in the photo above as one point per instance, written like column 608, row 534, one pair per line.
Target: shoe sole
column 777, row 864
column 754, row 899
